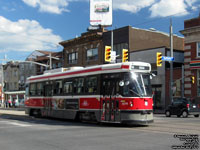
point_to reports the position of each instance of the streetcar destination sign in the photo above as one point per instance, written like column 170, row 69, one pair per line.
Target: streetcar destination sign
column 165, row 58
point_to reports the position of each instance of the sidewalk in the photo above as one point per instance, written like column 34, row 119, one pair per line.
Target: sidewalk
column 12, row 112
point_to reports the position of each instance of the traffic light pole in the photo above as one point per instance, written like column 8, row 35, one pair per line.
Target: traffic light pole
column 171, row 63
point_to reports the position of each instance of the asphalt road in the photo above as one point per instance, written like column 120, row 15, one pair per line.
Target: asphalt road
column 20, row 132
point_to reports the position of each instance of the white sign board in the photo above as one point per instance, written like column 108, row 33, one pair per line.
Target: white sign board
column 101, row 12
column 113, row 56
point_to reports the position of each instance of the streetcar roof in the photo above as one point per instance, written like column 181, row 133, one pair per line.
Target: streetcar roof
column 93, row 70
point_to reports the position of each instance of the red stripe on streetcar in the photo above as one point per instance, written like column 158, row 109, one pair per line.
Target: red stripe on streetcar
column 125, row 66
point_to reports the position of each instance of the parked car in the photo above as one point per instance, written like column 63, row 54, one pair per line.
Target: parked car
column 183, row 107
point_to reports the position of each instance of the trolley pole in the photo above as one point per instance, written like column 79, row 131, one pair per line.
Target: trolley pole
column 171, row 63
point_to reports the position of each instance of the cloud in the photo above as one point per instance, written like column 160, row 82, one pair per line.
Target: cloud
column 157, row 8
column 26, row 35
column 132, row 6
column 170, row 7
column 49, row 6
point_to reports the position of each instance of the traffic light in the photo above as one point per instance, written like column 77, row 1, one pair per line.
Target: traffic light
column 159, row 59
column 124, row 55
column 107, row 53
column 192, row 79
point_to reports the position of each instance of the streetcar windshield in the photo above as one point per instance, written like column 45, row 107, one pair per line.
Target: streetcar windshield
column 137, row 84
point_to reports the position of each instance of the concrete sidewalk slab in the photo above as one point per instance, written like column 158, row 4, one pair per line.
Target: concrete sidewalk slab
column 13, row 112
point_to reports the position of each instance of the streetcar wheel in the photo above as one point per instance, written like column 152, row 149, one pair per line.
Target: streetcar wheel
column 185, row 114
column 167, row 113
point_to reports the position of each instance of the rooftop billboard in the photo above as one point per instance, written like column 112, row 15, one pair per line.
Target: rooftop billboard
column 101, row 12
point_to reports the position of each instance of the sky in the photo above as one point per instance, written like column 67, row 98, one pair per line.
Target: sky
column 28, row 25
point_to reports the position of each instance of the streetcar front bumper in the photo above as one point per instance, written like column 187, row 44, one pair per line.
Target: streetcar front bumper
column 137, row 117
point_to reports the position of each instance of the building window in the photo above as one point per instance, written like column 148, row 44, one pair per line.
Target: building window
column 119, row 47
column 73, row 58
column 54, row 66
column 198, row 49
column 59, row 65
column 92, row 54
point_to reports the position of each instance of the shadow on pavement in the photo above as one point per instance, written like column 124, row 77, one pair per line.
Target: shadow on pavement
column 63, row 122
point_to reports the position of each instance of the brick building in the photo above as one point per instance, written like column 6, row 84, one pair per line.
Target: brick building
column 88, row 49
column 85, row 50
column 192, row 56
column 143, row 44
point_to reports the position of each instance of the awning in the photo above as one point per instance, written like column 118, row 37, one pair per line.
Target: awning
column 15, row 92
column 195, row 64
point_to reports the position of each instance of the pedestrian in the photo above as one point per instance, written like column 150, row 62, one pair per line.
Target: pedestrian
column 9, row 103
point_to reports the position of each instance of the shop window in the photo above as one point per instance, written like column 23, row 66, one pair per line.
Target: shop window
column 198, row 49
column 198, row 83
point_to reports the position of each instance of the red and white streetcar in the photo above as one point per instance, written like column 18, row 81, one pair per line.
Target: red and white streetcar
column 115, row 93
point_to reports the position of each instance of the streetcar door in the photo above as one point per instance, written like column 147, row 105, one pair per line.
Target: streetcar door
column 110, row 104
column 117, row 112
column 48, row 92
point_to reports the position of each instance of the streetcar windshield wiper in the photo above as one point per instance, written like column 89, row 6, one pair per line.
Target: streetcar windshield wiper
column 135, row 93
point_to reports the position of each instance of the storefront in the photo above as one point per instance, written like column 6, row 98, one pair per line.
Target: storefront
column 195, row 78
column 14, row 99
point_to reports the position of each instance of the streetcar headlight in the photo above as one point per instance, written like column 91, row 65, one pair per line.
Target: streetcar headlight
column 146, row 103
column 131, row 104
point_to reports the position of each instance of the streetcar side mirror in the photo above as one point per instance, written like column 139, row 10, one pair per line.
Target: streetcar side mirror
column 152, row 75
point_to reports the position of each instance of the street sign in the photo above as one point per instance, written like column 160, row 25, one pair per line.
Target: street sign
column 165, row 58
column 113, row 56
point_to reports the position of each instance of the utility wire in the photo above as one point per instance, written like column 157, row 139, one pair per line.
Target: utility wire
column 158, row 19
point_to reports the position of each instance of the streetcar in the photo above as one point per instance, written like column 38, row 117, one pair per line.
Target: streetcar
column 112, row 93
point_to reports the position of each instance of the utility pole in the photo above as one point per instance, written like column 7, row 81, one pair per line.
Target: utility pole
column 182, row 82
column 50, row 61
column 171, row 63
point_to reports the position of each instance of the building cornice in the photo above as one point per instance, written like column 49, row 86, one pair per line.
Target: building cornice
column 191, row 30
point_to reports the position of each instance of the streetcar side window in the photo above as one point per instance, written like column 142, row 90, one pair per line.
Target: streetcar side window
column 48, row 91
column 68, row 87
column 39, row 89
column 57, row 87
column 91, row 85
column 32, row 89
column 27, row 90
column 79, row 86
